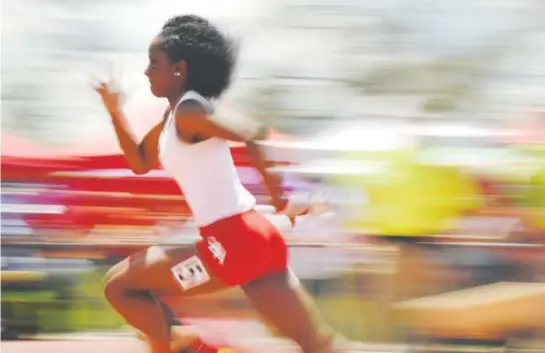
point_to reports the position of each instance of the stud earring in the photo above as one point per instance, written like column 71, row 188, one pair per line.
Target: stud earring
column 176, row 74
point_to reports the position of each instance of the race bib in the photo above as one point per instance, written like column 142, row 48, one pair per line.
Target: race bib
column 190, row 273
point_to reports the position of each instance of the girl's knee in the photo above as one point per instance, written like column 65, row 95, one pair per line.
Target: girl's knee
column 112, row 280
column 109, row 286
column 132, row 271
column 108, row 276
column 112, row 272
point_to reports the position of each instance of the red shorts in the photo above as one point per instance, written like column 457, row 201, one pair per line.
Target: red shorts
column 241, row 248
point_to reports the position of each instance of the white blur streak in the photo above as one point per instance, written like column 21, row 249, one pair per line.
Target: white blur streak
column 357, row 37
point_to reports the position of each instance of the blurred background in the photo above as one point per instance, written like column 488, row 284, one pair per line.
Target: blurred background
column 413, row 129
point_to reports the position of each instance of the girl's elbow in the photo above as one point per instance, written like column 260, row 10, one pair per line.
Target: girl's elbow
column 140, row 168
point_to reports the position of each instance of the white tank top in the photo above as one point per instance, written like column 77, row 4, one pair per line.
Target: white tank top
column 205, row 172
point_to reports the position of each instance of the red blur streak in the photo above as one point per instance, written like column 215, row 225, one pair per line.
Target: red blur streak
column 149, row 198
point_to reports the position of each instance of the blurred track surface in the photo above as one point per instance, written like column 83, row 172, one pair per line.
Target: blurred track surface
column 125, row 345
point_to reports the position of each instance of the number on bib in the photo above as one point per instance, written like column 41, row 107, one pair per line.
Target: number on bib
column 190, row 273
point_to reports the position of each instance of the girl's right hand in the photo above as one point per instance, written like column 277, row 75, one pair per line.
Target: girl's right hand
column 111, row 97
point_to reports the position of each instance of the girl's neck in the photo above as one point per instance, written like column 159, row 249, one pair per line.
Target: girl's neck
column 174, row 99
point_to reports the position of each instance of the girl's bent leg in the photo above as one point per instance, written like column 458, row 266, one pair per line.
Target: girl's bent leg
column 162, row 270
